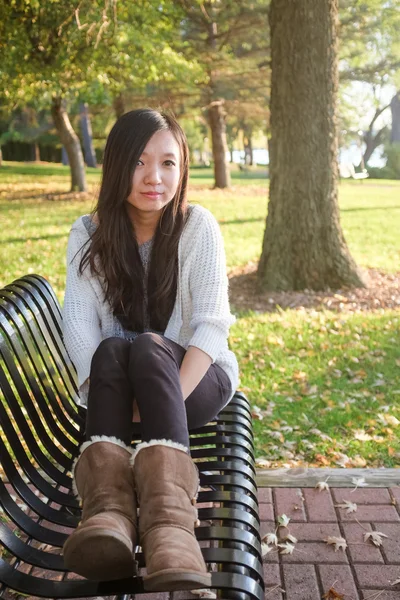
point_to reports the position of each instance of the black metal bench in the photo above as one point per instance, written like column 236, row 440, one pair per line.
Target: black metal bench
column 41, row 430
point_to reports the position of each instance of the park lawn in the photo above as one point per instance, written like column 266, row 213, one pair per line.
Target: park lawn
column 299, row 368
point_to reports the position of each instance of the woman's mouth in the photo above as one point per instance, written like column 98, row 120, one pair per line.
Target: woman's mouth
column 152, row 195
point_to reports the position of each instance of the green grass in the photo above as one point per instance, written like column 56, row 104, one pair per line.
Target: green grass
column 304, row 370
column 333, row 374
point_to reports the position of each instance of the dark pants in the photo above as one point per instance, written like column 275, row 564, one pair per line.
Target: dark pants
column 147, row 371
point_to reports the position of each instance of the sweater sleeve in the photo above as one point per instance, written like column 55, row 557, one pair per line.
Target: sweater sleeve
column 81, row 323
column 211, row 317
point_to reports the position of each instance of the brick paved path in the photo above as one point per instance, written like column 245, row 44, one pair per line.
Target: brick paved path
column 363, row 571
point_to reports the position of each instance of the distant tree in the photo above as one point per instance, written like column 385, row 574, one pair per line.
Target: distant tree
column 303, row 245
column 228, row 39
column 62, row 51
column 369, row 37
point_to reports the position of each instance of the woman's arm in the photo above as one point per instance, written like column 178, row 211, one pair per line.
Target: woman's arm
column 210, row 317
column 81, row 326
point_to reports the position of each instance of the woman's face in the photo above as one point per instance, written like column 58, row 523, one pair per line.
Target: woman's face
column 156, row 176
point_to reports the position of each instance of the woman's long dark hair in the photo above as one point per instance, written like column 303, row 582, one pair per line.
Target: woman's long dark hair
column 113, row 253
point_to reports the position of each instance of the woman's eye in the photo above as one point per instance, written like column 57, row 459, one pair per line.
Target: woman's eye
column 139, row 163
column 169, row 163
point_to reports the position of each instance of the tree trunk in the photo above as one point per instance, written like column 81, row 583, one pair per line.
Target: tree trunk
column 248, row 146
column 35, row 152
column 71, row 143
column 86, row 127
column 64, row 157
column 216, row 119
column 395, row 108
column 119, row 106
column 303, row 245
column 373, row 141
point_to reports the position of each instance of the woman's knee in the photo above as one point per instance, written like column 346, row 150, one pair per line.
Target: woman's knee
column 146, row 349
column 110, row 351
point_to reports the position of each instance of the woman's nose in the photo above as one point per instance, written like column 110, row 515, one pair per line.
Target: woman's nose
column 152, row 175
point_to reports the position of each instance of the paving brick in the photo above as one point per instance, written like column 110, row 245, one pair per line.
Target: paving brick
column 300, row 582
column 374, row 512
column 390, row 545
column 319, row 505
column 313, row 532
column 376, row 576
column 385, row 595
column 267, row 527
column 274, row 593
column 289, row 501
column 362, row 495
column 314, row 552
column 272, row 575
column 340, row 578
column 266, row 512
column 361, row 551
column 264, row 495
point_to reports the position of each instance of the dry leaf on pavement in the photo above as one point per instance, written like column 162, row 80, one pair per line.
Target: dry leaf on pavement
column 349, row 506
column 286, row 548
column 338, row 542
column 322, row 485
column 375, row 537
column 283, row 520
column 332, row 594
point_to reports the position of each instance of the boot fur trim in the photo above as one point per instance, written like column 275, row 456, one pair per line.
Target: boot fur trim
column 163, row 442
column 95, row 438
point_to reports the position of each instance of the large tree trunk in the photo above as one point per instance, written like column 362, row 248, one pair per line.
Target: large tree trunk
column 86, row 127
column 71, row 143
column 303, row 245
column 216, row 119
column 395, row 108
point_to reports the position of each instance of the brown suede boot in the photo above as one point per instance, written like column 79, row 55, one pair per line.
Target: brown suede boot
column 167, row 482
column 102, row 546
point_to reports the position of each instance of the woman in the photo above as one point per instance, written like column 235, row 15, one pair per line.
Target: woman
column 146, row 321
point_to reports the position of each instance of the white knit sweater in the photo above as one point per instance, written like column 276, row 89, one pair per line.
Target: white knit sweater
column 201, row 316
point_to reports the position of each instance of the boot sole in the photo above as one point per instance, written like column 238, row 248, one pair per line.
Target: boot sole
column 173, row 580
column 100, row 555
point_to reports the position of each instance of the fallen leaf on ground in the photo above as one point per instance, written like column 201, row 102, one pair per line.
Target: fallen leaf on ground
column 270, row 538
column 358, row 482
column 350, row 507
column 286, row 548
column 283, row 520
column 322, row 485
column 265, row 549
column 375, row 537
column 291, row 538
column 332, row 594
column 338, row 542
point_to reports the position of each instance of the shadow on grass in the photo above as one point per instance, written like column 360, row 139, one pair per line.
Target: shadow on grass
column 367, row 208
column 240, row 221
column 51, row 236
